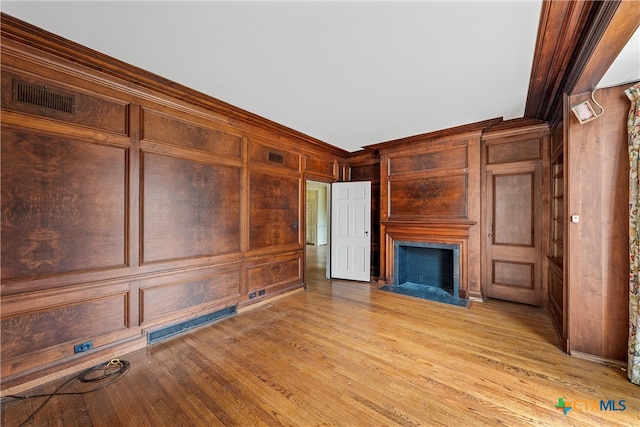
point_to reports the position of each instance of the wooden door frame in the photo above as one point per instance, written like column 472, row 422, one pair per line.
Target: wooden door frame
column 487, row 215
column 327, row 182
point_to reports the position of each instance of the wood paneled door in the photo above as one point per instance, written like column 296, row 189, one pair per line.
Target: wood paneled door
column 513, row 239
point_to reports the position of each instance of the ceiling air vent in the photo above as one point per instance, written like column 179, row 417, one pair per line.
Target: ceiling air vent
column 42, row 97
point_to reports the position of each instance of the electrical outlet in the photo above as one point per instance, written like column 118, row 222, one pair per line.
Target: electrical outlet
column 80, row 348
column 261, row 292
column 252, row 295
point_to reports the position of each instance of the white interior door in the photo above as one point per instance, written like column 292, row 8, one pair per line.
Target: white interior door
column 351, row 230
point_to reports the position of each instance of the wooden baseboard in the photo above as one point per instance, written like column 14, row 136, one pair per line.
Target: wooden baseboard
column 113, row 353
column 269, row 300
column 601, row 360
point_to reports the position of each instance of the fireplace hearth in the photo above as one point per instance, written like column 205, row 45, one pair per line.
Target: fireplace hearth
column 427, row 270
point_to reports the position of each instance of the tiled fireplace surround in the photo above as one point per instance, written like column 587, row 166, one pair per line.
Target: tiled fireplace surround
column 436, row 265
column 448, row 235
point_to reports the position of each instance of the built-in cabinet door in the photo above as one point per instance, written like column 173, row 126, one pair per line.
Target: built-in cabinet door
column 513, row 270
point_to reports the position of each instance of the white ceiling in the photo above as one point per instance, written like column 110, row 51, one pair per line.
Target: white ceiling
column 348, row 73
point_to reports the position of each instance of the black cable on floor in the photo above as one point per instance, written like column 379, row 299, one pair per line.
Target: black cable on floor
column 108, row 373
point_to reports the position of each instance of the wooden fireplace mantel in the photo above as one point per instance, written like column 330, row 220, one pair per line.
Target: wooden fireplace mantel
column 450, row 231
column 430, row 189
column 419, row 226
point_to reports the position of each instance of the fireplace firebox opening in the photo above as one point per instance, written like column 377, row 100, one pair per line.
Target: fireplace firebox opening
column 431, row 269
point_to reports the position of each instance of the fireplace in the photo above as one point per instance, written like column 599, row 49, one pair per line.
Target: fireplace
column 428, row 270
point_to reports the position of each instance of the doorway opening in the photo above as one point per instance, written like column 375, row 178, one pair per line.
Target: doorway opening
column 317, row 228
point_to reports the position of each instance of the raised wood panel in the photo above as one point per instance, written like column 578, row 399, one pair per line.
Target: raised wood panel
column 556, row 289
column 274, row 210
column 558, row 39
column 162, row 128
column 450, row 158
column 265, row 155
column 159, row 300
column 150, row 180
column 597, row 247
column 64, row 205
column 189, row 209
column 273, row 272
column 513, row 274
column 365, row 173
column 436, row 196
column 324, row 167
column 557, row 303
column 87, row 110
column 513, row 196
column 556, row 141
column 516, row 151
column 73, row 323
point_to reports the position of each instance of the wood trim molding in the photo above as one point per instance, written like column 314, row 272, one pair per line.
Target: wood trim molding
column 614, row 28
column 21, row 32
column 577, row 42
column 595, row 28
column 459, row 132
column 561, row 24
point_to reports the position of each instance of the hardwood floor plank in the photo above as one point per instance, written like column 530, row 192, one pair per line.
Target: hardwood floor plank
column 347, row 354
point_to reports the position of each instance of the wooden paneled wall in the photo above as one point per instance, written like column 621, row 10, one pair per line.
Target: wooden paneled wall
column 430, row 191
column 365, row 166
column 515, row 160
column 597, row 248
column 130, row 203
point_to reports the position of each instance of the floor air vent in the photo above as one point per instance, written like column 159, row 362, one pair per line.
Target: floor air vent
column 172, row 330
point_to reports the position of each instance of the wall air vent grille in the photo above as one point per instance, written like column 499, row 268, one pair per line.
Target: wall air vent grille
column 42, row 97
column 276, row 157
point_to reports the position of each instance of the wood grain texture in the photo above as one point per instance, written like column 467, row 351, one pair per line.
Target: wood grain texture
column 596, row 251
column 347, row 354
column 274, row 218
column 609, row 31
column 324, row 167
column 122, row 194
column 24, row 36
column 165, row 128
column 71, row 323
column 441, row 196
column 514, row 151
column 436, row 232
column 197, row 210
column 263, row 273
column 514, row 225
column 64, row 205
column 437, row 201
column 561, row 24
column 454, row 157
column 513, row 208
column 88, row 109
column 274, row 157
column 171, row 298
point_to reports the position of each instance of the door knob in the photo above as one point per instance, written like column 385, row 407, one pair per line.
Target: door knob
column 490, row 235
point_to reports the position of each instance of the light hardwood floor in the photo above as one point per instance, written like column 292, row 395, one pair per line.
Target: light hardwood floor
column 346, row 354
